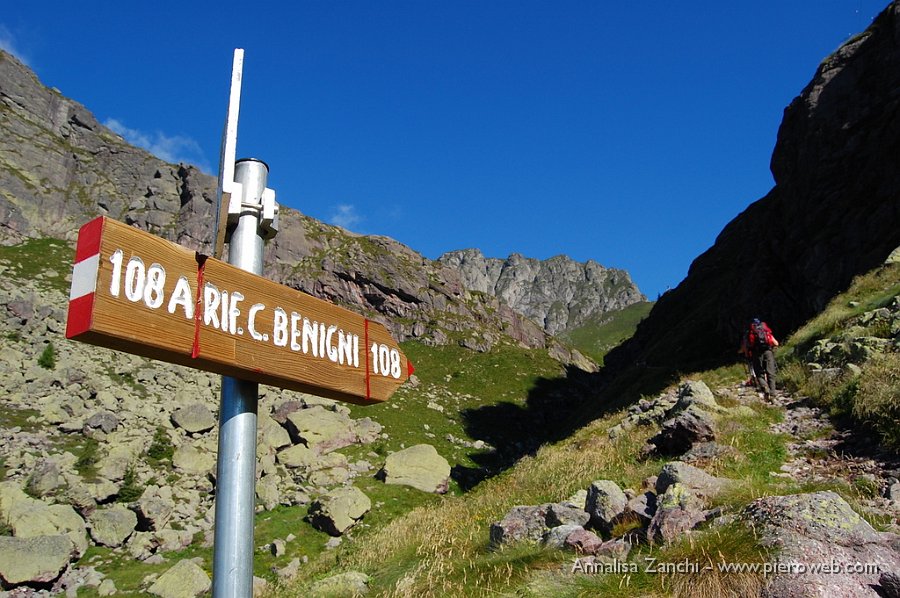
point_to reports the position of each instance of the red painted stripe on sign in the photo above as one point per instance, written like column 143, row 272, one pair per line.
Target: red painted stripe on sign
column 410, row 370
column 198, row 306
column 89, row 239
column 80, row 315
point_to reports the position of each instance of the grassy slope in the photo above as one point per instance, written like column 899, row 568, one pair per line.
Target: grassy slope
column 443, row 549
column 600, row 334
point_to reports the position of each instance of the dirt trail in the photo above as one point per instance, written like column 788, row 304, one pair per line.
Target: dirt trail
column 822, row 451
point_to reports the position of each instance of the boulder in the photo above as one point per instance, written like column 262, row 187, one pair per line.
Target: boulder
column 522, row 522
column 321, row 429
column 191, row 460
column 681, row 432
column 557, row 537
column 605, row 502
column 583, row 542
column 104, row 421
column 696, row 393
column 39, row 559
column 31, row 518
column 44, row 479
column 267, row 491
column 271, row 435
column 112, row 526
column 154, row 508
column 195, row 418
column 678, row 511
column 297, row 456
column 418, row 466
column 691, row 477
column 563, row 514
column 821, row 527
column 642, row 507
column 350, row 583
column 337, row 511
column 184, row 580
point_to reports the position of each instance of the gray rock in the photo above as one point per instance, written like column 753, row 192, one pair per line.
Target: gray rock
column 691, row 477
column 894, row 493
column 821, row 528
column 563, row 514
column 681, row 432
column 112, row 526
column 271, row 435
column 40, row 559
column 184, row 580
column 339, row 510
column 321, row 429
column 696, row 392
column 191, row 460
column 520, row 523
column 642, row 507
column 268, row 492
column 107, row 588
column 419, row 467
column 678, row 511
column 557, row 537
column 605, row 502
column 104, row 421
column 195, row 418
column 583, row 542
column 45, row 478
column 342, row 585
column 154, row 508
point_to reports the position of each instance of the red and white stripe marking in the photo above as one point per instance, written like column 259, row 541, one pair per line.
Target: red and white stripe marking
column 84, row 278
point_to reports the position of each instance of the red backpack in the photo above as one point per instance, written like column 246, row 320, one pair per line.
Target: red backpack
column 761, row 338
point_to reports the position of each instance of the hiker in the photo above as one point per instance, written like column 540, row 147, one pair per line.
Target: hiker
column 760, row 342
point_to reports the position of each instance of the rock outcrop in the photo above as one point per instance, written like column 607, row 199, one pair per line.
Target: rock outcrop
column 834, row 213
column 560, row 294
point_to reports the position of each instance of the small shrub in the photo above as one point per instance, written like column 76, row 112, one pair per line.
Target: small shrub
column 130, row 490
column 161, row 449
column 47, row 360
column 88, row 458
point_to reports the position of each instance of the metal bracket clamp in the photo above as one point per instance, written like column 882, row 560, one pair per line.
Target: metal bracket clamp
column 254, row 198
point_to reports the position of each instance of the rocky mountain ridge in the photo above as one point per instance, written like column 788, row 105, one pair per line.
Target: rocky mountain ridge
column 60, row 167
column 834, row 213
column 559, row 293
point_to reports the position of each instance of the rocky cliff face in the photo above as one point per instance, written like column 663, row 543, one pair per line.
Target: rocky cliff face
column 560, row 294
column 834, row 213
column 59, row 167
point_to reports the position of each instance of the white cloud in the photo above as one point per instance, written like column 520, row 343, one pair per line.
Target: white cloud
column 345, row 216
column 174, row 148
column 8, row 44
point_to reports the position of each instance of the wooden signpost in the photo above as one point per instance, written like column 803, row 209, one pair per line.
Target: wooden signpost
column 138, row 293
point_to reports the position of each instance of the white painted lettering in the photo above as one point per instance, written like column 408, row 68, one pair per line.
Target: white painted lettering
column 224, row 323
column 211, row 301
column 310, row 335
column 296, row 331
column 281, row 327
column 135, row 277
column 345, row 348
column 251, row 320
column 182, row 296
column 153, row 292
column 322, row 341
column 115, row 282
column 332, row 350
column 234, row 311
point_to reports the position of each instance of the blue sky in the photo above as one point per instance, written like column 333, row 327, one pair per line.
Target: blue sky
column 628, row 133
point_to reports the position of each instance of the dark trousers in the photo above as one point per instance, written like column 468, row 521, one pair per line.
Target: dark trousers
column 765, row 370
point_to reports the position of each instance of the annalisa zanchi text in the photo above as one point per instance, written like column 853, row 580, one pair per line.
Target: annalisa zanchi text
column 654, row 566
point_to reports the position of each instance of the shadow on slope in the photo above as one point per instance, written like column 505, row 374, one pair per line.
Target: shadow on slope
column 554, row 410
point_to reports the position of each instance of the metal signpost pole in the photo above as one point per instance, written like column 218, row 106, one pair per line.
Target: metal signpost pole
column 236, row 469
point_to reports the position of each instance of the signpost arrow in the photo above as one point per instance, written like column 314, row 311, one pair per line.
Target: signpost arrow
column 138, row 293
